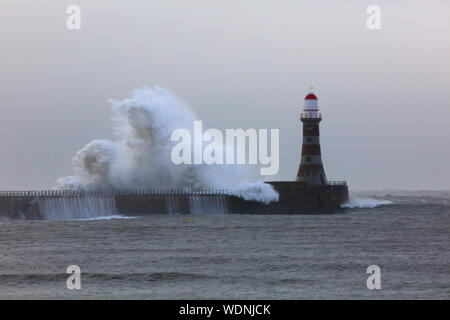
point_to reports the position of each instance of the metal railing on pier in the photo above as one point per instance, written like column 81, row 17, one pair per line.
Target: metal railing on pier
column 124, row 192
column 137, row 192
column 330, row 183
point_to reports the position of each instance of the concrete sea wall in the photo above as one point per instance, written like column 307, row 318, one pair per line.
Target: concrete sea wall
column 294, row 198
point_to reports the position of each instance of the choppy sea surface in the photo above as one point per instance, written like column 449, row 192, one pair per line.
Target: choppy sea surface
column 224, row 256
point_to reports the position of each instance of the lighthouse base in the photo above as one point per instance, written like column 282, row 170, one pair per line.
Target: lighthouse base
column 296, row 198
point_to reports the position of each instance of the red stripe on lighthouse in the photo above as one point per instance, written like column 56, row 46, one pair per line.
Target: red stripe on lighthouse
column 313, row 168
column 310, row 149
column 314, row 131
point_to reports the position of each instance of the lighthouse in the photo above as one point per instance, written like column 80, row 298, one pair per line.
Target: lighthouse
column 311, row 169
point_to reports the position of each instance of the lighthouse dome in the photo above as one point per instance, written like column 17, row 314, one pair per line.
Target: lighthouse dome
column 310, row 96
column 311, row 102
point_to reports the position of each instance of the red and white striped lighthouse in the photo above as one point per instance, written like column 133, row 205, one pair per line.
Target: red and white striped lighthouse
column 311, row 168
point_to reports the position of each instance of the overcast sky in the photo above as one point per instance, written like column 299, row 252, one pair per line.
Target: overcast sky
column 384, row 94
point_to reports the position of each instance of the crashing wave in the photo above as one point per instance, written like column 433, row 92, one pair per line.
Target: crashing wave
column 139, row 156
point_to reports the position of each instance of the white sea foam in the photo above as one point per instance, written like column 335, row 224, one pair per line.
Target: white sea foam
column 106, row 218
column 139, row 157
column 257, row 191
column 357, row 202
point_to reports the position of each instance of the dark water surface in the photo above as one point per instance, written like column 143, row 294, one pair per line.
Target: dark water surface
column 238, row 256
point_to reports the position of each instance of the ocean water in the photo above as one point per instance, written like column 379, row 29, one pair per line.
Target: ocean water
column 224, row 256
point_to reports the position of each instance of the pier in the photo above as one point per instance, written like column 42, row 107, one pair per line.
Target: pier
column 294, row 198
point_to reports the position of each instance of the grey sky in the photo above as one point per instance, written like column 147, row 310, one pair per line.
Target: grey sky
column 385, row 94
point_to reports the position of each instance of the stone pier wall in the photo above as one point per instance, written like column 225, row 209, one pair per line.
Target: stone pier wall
column 295, row 198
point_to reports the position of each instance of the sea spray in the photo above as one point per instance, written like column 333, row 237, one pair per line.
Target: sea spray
column 256, row 191
column 72, row 208
column 139, row 156
column 358, row 202
column 92, row 166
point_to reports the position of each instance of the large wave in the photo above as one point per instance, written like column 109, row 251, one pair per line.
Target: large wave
column 139, row 156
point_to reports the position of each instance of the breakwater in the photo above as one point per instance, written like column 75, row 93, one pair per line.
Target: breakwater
column 294, row 198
